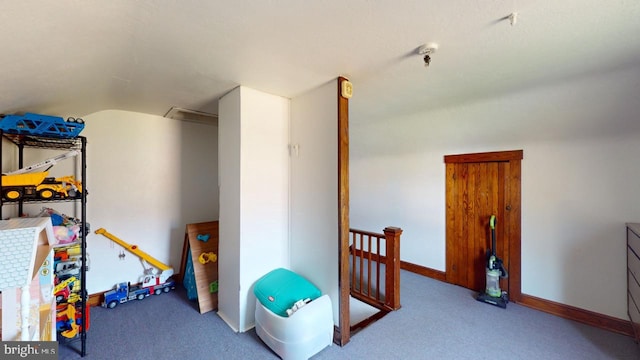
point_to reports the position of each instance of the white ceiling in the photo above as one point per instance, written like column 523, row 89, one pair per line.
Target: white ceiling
column 72, row 57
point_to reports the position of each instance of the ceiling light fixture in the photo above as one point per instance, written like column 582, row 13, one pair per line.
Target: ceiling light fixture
column 426, row 51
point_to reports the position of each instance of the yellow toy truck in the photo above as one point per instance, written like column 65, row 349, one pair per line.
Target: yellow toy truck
column 39, row 186
column 23, row 184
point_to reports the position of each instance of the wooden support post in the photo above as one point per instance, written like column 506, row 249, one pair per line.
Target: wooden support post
column 392, row 262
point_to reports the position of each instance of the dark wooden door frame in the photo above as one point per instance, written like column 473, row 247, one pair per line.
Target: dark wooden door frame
column 512, row 229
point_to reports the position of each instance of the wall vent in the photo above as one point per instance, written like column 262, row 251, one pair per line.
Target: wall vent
column 199, row 117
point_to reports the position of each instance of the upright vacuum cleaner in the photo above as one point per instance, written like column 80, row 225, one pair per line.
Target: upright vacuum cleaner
column 495, row 271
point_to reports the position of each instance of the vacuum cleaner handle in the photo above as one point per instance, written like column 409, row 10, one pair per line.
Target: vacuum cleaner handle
column 498, row 262
column 492, row 224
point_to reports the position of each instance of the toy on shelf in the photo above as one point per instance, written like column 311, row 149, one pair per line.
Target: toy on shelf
column 66, row 322
column 23, row 183
column 68, row 262
column 66, row 229
column 62, row 291
column 69, row 320
column 66, row 234
column 154, row 281
column 48, row 163
column 67, row 266
column 41, row 125
column 39, row 187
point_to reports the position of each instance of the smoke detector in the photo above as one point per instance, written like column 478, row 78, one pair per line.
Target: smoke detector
column 426, row 51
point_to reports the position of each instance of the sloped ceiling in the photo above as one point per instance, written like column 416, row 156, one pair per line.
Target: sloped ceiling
column 72, row 58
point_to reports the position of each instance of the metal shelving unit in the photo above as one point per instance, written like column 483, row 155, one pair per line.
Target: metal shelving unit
column 24, row 142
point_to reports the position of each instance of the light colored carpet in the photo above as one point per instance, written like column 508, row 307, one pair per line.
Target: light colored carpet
column 436, row 321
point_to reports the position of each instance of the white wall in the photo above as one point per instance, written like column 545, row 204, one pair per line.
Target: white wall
column 314, row 189
column 147, row 177
column 229, row 162
column 580, row 180
column 254, row 197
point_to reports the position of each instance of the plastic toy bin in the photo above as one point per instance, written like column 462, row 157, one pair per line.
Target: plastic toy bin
column 305, row 332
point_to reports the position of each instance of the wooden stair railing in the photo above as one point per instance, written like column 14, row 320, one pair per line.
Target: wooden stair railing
column 369, row 264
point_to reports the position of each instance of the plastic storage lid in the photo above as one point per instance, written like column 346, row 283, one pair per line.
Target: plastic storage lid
column 279, row 289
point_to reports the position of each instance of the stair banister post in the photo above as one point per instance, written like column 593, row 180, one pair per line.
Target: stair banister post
column 392, row 277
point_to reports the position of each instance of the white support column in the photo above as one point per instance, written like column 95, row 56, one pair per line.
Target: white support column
column 9, row 314
column 25, row 299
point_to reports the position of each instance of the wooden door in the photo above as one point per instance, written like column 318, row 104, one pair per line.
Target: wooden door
column 478, row 186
